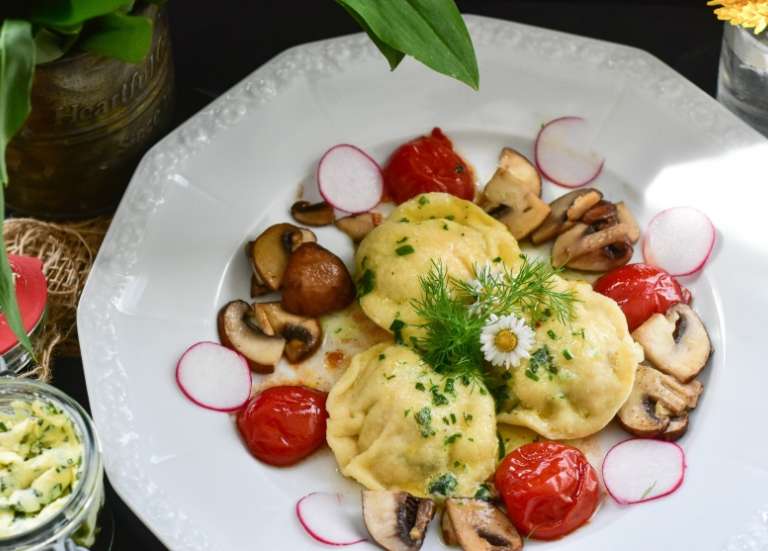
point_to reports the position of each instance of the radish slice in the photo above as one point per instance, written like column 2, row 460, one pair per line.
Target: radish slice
column 214, row 377
column 333, row 519
column 562, row 153
column 679, row 240
column 641, row 469
column 349, row 179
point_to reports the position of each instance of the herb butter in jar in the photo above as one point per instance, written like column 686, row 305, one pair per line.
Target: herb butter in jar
column 51, row 475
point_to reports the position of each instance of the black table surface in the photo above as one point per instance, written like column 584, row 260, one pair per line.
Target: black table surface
column 218, row 44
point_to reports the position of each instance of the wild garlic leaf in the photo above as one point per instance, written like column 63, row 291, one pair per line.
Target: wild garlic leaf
column 72, row 12
column 125, row 37
column 431, row 31
column 17, row 62
column 393, row 57
column 51, row 45
column 8, row 304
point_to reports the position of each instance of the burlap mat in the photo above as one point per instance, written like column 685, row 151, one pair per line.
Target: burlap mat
column 67, row 251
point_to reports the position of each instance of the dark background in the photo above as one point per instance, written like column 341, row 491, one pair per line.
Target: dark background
column 216, row 44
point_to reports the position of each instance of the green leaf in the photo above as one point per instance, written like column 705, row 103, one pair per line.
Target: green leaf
column 17, row 63
column 72, row 12
column 8, row 303
column 392, row 56
column 125, row 37
column 52, row 45
column 431, row 31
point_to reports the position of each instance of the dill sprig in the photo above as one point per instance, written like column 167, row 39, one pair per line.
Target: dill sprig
column 455, row 313
column 451, row 339
column 529, row 293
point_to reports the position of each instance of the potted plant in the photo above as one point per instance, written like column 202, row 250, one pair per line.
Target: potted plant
column 46, row 43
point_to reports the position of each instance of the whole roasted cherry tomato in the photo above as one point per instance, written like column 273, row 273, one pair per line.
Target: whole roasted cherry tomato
column 641, row 290
column 549, row 489
column 427, row 164
column 284, row 424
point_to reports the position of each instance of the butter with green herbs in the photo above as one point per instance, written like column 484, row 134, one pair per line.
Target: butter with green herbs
column 40, row 457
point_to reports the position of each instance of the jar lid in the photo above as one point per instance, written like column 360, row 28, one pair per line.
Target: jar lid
column 31, row 295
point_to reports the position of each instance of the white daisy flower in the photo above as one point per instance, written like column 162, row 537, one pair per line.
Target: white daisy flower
column 506, row 340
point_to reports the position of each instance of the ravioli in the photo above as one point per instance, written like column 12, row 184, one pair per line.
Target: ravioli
column 589, row 377
column 394, row 425
column 433, row 227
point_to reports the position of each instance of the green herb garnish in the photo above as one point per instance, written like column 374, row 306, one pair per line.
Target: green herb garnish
column 531, row 374
column 437, row 398
column 452, row 438
column 366, row 283
column 451, row 329
column 423, row 200
column 551, row 334
column 542, row 359
column 567, row 354
column 404, row 250
column 397, row 330
column 483, row 492
column 402, row 240
column 423, row 418
column 443, row 485
column 502, row 446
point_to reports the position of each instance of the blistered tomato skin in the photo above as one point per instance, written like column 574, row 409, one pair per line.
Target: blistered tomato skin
column 282, row 425
column 428, row 164
column 548, row 488
column 641, row 290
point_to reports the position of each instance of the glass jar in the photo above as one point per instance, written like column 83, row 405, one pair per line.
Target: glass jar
column 82, row 523
column 743, row 78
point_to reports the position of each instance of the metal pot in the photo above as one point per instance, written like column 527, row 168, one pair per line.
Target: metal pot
column 92, row 119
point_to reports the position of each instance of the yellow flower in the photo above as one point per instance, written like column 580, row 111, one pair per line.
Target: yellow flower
column 747, row 13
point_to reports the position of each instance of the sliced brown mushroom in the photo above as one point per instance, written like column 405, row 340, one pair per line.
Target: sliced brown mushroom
column 521, row 168
column 583, row 248
column 303, row 336
column 658, row 405
column 626, row 217
column 397, row 521
column 312, row 214
column 510, row 201
column 601, row 215
column 676, row 342
column 477, row 525
column 447, row 531
column 269, row 253
column 316, row 282
column 358, row 226
column 564, row 211
column 245, row 334
column 258, row 287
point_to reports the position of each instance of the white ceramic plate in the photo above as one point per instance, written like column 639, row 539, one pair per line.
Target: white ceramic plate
column 173, row 256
